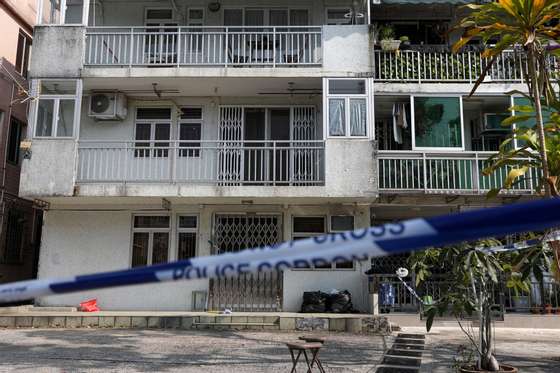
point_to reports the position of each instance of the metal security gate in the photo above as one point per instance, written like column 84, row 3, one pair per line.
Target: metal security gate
column 248, row 292
column 305, row 158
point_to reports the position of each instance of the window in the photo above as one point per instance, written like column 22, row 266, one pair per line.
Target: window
column 266, row 17
column 154, row 126
column 150, row 240
column 310, row 226
column 532, row 122
column 14, row 139
column 22, row 53
column 195, row 17
column 56, row 107
column 342, row 223
column 343, row 16
column 437, row 122
column 190, row 128
column 13, row 250
column 186, row 236
column 347, row 102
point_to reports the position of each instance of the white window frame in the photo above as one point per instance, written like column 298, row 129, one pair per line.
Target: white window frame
column 76, row 97
column 152, row 123
column 181, row 121
column 187, row 230
column 336, row 21
column 150, row 232
column 85, row 13
column 266, row 19
column 161, row 21
column 437, row 149
column 198, row 22
column 331, row 230
column 347, row 97
column 327, row 230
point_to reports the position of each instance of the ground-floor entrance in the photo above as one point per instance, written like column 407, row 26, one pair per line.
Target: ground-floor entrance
column 248, row 292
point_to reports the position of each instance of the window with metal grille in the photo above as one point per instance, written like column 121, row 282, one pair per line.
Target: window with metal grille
column 187, row 236
column 150, row 239
column 13, row 250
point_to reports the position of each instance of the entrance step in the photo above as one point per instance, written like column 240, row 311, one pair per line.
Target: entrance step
column 194, row 321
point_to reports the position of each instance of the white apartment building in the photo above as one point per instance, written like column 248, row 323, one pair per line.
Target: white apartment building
column 168, row 129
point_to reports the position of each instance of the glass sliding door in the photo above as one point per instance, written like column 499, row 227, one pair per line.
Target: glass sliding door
column 437, row 123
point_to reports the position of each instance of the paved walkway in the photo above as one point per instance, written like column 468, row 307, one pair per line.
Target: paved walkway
column 97, row 350
column 112, row 350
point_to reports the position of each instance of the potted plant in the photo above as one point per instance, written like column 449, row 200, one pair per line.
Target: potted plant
column 405, row 42
column 469, row 293
column 387, row 36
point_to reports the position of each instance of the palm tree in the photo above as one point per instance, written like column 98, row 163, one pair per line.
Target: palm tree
column 519, row 23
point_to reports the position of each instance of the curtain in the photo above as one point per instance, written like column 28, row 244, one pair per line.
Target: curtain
column 336, row 117
column 358, row 117
column 65, row 118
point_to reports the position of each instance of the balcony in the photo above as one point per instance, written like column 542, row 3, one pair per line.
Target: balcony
column 293, row 46
column 224, row 163
column 444, row 173
column 432, row 65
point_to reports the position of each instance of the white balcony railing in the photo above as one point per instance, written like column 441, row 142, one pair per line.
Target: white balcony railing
column 202, row 162
column 442, row 66
column 205, row 46
column 444, row 173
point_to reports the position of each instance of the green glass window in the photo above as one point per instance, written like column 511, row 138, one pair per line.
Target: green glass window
column 437, row 122
column 529, row 123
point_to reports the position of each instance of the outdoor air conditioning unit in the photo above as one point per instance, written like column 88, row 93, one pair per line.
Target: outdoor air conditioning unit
column 107, row 106
column 376, row 2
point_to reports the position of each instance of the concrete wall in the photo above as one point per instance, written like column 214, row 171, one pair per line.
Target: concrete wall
column 57, row 52
column 80, row 242
column 51, row 169
column 347, row 48
column 350, row 167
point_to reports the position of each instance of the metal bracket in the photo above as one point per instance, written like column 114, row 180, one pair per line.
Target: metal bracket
column 165, row 204
column 450, row 199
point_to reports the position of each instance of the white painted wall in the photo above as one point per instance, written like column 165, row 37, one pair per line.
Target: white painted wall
column 79, row 242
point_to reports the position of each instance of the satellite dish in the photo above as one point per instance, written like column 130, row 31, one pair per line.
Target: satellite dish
column 100, row 103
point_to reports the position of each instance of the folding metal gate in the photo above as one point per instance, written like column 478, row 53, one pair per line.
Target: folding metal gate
column 250, row 292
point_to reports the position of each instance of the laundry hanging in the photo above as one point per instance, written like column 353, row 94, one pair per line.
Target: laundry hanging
column 399, row 121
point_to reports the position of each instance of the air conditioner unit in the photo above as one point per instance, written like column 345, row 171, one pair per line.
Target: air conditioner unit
column 107, row 106
column 376, row 2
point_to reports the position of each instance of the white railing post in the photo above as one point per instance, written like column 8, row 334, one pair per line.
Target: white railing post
column 274, row 47
column 476, row 173
column 419, row 66
column 126, row 167
column 179, row 42
column 425, row 173
column 131, row 47
column 226, row 52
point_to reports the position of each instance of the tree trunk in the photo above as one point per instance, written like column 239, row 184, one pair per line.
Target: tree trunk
column 536, row 94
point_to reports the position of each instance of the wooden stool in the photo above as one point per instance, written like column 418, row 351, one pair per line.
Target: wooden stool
column 302, row 348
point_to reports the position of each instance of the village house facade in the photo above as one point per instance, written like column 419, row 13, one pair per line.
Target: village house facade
column 168, row 129
column 20, row 221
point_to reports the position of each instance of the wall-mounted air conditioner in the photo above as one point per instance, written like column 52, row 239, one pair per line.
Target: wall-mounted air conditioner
column 107, row 106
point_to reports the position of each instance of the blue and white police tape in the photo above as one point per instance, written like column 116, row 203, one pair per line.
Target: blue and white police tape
column 361, row 244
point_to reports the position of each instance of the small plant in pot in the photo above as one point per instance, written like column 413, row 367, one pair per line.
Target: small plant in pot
column 405, row 42
column 388, row 41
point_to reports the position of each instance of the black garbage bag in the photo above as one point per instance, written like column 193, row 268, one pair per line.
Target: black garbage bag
column 340, row 302
column 314, row 301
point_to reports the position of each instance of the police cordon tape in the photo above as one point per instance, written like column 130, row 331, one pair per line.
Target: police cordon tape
column 360, row 244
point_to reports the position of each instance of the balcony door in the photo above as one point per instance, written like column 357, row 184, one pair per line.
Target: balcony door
column 267, row 146
column 160, row 38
